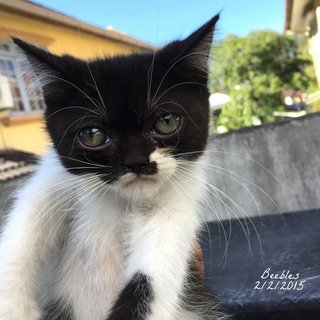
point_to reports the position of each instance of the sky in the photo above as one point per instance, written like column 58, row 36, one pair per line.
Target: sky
column 160, row 21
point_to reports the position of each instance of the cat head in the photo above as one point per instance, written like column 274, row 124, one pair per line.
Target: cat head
column 131, row 119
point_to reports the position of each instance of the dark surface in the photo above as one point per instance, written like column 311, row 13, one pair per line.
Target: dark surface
column 14, row 155
column 235, row 262
column 9, row 188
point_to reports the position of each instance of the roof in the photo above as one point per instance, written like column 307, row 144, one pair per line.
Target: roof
column 30, row 9
column 15, row 167
column 14, row 164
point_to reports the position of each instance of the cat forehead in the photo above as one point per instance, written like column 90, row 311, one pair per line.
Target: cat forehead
column 133, row 65
column 126, row 92
column 135, row 77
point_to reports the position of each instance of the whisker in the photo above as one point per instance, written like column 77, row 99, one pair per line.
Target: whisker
column 227, row 174
column 239, row 208
column 85, row 162
column 170, row 68
column 210, row 151
column 202, row 216
column 149, row 79
column 50, row 206
column 177, row 85
column 97, row 89
column 76, row 87
column 232, row 174
column 72, row 107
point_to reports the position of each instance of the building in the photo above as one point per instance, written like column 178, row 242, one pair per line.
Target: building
column 22, row 127
column 303, row 21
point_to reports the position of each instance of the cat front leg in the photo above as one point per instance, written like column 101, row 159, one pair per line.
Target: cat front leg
column 32, row 228
column 160, row 247
column 134, row 300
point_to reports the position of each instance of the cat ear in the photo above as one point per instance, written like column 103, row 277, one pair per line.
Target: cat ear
column 44, row 68
column 193, row 52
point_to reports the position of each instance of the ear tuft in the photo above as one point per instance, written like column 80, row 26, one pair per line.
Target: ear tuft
column 37, row 61
column 193, row 52
column 43, row 69
column 199, row 44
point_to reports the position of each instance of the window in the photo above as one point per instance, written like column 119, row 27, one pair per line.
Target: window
column 25, row 100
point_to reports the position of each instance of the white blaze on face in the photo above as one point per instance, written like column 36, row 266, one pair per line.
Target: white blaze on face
column 141, row 187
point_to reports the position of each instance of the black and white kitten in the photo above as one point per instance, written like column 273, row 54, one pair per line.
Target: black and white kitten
column 105, row 229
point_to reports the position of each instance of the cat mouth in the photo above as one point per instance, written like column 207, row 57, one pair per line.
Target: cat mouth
column 139, row 180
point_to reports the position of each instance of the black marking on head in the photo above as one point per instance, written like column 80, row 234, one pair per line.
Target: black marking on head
column 134, row 300
column 125, row 96
column 56, row 310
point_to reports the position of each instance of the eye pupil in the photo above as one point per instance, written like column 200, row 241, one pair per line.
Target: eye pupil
column 167, row 124
column 93, row 137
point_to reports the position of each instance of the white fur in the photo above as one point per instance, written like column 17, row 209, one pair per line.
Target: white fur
column 26, row 240
column 103, row 236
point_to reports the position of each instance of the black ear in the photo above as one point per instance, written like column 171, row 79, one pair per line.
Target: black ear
column 37, row 55
column 51, row 71
column 193, row 52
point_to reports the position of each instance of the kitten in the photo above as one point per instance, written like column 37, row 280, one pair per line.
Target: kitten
column 105, row 229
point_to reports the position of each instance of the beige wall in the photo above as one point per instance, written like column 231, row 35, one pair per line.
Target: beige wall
column 59, row 39
column 315, row 48
column 26, row 135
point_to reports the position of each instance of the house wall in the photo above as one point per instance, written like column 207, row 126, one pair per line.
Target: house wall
column 57, row 38
column 314, row 44
column 25, row 133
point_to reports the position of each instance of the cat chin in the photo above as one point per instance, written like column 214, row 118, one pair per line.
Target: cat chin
column 139, row 181
column 138, row 187
column 148, row 187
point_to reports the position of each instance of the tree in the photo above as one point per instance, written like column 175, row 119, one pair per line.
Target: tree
column 254, row 71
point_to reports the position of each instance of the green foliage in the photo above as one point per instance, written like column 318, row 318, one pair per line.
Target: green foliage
column 254, row 71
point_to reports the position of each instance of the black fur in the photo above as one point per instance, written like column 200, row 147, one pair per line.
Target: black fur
column 125, row 96
column 134, row 301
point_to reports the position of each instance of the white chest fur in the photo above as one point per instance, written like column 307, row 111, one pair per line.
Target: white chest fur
column 90, row 271
column 107, row 241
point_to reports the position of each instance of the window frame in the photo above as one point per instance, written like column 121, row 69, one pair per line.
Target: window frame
column 12, row 56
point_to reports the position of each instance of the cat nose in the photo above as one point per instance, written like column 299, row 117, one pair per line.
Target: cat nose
column 140, row 167
column 136, row 156
column 136, row 167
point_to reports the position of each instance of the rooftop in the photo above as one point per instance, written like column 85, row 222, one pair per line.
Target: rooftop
column 30, row 9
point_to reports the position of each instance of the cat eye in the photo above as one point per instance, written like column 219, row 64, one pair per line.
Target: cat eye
column 167, row 124
column 93, row 137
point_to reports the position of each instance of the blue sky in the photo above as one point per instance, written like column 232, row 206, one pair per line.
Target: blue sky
column 159, row 21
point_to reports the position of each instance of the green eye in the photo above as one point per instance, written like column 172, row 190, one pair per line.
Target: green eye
column 93, row 137
column 167, row 124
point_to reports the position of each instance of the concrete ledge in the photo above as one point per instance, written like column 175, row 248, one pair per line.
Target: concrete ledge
column 266, row 169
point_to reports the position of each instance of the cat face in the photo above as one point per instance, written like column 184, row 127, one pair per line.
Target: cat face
column 128, row 119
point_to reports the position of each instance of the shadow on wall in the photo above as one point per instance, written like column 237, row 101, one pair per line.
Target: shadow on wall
column 268, row 169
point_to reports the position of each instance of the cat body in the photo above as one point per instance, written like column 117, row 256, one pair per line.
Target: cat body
column 105, row 229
